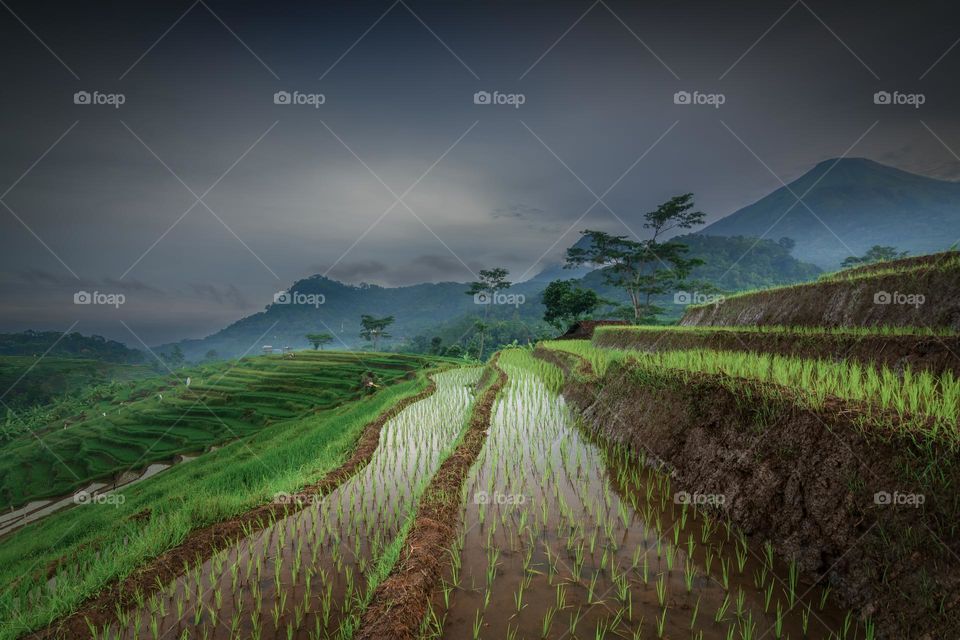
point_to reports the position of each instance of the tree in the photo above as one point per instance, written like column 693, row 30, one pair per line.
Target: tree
column 484, row 291
column 876, row 253
column 644, row 268
column 174, row 358
column 373, row 329
column 211, row 355
column 319, row 339
column 787, row 243
column 567, row 303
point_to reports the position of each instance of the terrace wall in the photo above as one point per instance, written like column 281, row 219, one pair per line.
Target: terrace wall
column 841, row 303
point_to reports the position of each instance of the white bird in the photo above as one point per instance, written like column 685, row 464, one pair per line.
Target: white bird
column 188, row 381
column 161, row 395
column 104, row 414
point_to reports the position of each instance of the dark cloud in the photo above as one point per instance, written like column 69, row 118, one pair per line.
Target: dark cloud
column 402, row 104
column 516, row 211
column 230, row 295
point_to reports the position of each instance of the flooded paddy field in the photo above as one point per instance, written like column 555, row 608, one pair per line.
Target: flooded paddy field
column 567, row 538
column 306, row 575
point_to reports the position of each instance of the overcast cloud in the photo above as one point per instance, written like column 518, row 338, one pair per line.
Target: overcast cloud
column 399, row 177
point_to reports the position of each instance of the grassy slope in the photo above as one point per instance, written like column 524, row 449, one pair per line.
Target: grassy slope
column 224, row 402
column 91, row 545
column 26, row 380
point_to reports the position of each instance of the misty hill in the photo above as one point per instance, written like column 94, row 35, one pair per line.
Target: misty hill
column 71, row 345
column 861, row 202
column 443, row 309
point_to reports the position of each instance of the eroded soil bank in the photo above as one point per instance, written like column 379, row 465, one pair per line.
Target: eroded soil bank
column 884, row 299
column 843, row 505
column 936, row 354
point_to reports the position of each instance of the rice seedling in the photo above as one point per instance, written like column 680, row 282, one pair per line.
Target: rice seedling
column 924, row 404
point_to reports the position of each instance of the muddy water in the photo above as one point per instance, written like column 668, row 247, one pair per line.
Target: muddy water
column 305, row 576
column 565, row 539
column 39, row 509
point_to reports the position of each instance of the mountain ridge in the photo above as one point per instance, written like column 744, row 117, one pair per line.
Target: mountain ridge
column 849, row 205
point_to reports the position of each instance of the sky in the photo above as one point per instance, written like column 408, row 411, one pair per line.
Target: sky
column 190, row 185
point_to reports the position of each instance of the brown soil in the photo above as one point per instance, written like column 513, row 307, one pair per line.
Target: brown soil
column 201, row 544
column 804, row 480
column 935, row 354
column 844, row 304
column 400, row 603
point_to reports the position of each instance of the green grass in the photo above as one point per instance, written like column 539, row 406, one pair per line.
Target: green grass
column 225, row 401
column 882, row 331
column 925, row 404
column 95, row 544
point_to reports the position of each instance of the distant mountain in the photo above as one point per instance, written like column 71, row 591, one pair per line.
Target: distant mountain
column 444, row 309
column 417, row 309
column 860, row 203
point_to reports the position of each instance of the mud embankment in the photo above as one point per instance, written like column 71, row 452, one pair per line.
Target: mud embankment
column 843, row 505
column 919, row 298
column 936, row 354
column 400, row 602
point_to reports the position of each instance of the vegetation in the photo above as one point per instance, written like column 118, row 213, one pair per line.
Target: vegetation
column 88, row 546
column 647, row 268
column 883, row 330
column 484, row 292
column 67, row 345
column 925, row 406
column 939, row 262
column 319, row 339
column 336, row 553
column 567, row 303
column 26, row 381
column 596, row 543
column 375, row 329
column 145, row 422
column 876, row 253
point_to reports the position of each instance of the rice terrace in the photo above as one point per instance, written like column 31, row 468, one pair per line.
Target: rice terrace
column 426, row 320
